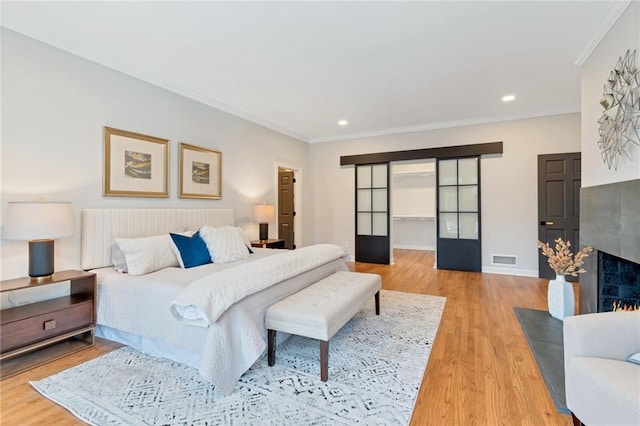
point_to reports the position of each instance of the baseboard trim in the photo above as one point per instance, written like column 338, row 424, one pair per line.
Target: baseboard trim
column 510, row 271
column 412, row 247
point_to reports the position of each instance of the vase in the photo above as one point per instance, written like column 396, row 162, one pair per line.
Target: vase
column 560, row 298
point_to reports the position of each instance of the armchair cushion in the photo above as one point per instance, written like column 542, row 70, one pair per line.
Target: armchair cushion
column 602, row 388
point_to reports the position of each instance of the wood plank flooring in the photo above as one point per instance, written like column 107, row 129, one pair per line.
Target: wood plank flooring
column 481, row 371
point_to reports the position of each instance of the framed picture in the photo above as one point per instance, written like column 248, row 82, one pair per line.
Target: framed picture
column 200, row 172
column 135, row 165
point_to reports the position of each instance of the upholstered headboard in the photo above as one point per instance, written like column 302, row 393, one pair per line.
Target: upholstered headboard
column 101, row 226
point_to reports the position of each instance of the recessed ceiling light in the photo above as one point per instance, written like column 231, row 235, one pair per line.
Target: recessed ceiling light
column 508, row 98
column 342, row 122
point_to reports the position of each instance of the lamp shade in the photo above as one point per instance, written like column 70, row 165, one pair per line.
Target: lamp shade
column 36, row 221
column 264, row 213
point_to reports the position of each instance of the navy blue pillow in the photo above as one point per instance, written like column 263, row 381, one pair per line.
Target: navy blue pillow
column 191, row 251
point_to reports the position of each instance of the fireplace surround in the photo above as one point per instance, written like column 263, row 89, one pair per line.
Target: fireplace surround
column 610, row 223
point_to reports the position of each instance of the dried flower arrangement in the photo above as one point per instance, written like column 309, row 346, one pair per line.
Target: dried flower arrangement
column 562, row 260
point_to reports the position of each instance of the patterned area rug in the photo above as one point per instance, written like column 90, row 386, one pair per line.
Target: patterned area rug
column 376, row 364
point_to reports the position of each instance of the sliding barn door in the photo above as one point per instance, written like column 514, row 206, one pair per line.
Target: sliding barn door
column 458, row 206
column 372, row 213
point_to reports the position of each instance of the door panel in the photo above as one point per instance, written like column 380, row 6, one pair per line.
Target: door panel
column 372, row 213
column 458, row 212
column 286, row 208
column 558, row 203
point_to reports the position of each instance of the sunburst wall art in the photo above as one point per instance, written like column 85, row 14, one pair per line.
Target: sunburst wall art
column 620, row 122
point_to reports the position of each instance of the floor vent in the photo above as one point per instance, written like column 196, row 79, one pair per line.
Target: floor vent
column 503, row 259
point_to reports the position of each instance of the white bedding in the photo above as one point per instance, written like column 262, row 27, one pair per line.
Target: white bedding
column 139, row 305
column 203, row 301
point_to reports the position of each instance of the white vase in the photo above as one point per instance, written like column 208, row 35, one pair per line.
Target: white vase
column 560, row 298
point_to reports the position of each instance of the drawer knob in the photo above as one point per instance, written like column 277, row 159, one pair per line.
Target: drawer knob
column 50, row 325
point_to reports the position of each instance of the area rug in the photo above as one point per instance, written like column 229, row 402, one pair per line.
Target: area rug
column 376, row 364
column 545, row 337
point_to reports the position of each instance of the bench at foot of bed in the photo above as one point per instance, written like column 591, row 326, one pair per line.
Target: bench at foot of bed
column 320, row 310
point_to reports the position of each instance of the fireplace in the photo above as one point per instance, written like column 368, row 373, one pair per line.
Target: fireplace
column 610, row 223
column 618, row 283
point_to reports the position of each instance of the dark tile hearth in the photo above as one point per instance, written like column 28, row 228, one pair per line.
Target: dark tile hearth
column 545, row 337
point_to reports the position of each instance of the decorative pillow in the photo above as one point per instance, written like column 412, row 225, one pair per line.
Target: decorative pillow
column 245, row 239
column 634, row 358
column 118, row 259
column 190, row 251
column 148, row 254
column 225, row 244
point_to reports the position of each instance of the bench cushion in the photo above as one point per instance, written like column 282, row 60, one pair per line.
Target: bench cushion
column 321, row 309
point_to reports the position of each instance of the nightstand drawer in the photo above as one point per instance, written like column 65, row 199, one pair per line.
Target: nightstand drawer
column 40, row 326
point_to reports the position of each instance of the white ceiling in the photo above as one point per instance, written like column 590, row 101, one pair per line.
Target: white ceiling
column 299, row 67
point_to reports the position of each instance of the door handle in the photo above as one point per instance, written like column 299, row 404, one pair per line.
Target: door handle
column 546, row 223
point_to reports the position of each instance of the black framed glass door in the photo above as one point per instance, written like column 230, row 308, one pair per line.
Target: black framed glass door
column 373, row 244
column 458, row 214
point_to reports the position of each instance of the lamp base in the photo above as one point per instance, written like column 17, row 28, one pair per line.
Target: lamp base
column 40, row 259
column 40, row 279
column 264, row 231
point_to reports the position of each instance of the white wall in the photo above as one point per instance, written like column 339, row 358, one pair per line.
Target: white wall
column 54, row 107
column 509, row 181
column 625, row 34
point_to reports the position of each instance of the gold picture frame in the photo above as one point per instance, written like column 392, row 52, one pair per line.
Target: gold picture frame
column 200, row 174
column 135, row 165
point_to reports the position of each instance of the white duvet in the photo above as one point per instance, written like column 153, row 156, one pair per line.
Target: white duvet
column 139, row 307
column 205, row 299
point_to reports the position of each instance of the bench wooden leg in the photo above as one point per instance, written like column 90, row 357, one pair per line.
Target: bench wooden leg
column 378, row 303
column 271, row 347
column 324, row 360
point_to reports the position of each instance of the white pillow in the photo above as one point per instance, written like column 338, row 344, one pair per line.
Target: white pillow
column 225, row 244
column 148, row 254
column 118, row 259
column 244, row 237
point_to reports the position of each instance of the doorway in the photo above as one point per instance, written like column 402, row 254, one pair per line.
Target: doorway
column 413, row 201
column 289, row 204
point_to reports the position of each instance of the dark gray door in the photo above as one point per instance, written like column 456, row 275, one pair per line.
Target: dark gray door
column 372, row 213
column 558, row 203
column 458, row 210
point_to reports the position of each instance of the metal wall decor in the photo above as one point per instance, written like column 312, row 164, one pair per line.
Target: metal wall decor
column 620, row 122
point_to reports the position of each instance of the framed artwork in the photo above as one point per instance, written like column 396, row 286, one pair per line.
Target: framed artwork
column 135, row 165
column 200, row 172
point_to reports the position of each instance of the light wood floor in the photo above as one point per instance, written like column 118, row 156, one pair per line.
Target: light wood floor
column 480, row 372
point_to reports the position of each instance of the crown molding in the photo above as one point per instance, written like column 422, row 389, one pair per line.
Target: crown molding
column 446, row 125
column 8, row 22
column 617, row 8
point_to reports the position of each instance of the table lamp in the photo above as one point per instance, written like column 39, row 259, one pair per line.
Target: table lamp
column 263, row 214
column 39, row 223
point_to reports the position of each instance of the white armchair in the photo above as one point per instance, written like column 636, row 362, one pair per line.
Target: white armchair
column 602, row 388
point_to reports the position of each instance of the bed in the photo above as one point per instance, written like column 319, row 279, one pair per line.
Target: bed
column 134, row 310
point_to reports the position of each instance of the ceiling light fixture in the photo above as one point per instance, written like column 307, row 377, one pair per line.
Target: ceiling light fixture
column 508, row 98
column 342, row 122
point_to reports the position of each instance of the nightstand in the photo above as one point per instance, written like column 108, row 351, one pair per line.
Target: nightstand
column 35, row 333
column 273, row 243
